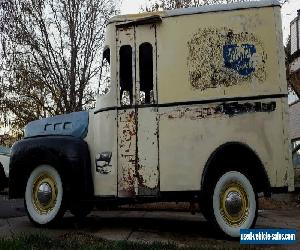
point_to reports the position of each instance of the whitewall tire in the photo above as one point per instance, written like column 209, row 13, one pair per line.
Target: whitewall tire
column 234, row 203
column 44, row 195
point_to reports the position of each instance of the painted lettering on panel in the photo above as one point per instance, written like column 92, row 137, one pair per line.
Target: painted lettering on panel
column 239, row 58
column 219, row 57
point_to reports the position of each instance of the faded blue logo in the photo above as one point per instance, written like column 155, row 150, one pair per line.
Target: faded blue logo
column 239, row 58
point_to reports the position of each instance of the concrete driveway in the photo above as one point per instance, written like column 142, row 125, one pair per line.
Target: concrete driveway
column 11, row 208
column 181, row 228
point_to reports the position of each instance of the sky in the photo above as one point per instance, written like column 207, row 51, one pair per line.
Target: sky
column 132, row 6
column 289, row 12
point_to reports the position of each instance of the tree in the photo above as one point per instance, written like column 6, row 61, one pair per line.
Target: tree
column 50, row 56
column 174, row 4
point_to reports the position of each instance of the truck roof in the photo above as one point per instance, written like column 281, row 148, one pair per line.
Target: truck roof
column 195, row 10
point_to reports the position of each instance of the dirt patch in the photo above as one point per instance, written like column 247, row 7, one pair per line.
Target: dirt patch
column 79, row 236
column 272, row 204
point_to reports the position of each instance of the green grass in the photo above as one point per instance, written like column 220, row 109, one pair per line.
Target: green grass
column 44, row 242
column 88, row 242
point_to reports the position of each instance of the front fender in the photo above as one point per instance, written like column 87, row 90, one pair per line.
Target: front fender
column 69, row 155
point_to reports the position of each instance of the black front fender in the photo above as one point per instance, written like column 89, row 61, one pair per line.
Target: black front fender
column 70, row 156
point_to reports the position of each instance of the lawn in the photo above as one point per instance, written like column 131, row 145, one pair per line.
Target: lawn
column 85, row 241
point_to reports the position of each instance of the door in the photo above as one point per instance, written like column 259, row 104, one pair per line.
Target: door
column 147, row 122
column 127, row 115
column 138, row 172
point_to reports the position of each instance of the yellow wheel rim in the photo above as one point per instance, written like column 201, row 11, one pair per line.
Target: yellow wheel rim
column 44, row 193
column 234, row 204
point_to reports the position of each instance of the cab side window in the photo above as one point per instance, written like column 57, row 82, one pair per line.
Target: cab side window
column 146, row 73
column 126, row 84
column 105, row 81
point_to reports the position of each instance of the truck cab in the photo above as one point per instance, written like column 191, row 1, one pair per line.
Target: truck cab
column 194, row 109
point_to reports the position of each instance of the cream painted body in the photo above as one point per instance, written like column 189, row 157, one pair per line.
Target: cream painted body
column 166, row 145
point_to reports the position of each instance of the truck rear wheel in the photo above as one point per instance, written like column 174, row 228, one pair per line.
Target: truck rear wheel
column 44, row 195
column 234, row 203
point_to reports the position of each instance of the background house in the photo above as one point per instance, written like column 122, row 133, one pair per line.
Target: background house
column 294, row 131
column 295, row 51
column 294, row 122
column 294, row 108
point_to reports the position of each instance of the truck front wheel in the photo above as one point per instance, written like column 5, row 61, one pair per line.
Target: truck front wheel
column 234, row 203
column 44, row 195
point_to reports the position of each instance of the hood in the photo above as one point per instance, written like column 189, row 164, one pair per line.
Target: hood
column 73, row 124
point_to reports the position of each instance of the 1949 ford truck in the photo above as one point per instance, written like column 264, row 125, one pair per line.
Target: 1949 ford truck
column 196, row 112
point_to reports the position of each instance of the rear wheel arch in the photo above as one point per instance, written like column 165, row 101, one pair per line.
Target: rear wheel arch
column 236, row 156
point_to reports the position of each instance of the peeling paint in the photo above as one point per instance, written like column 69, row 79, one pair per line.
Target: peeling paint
column 147, row 162
column 127, row 153
column 220, row 57
column 134, row 177
column 103, row 163
column 219, row 110
column 239, row 58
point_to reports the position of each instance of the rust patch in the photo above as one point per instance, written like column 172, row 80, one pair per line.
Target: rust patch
column 146, row 179
column 220, row 57
column 127, row 153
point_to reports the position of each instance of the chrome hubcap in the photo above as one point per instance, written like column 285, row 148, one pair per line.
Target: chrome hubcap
column 44, row 194
column 233, row 203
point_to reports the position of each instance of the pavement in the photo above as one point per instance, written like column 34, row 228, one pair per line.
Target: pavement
column 181, row 228
column 11, row 208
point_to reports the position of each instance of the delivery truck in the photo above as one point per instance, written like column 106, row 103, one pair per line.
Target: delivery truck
column 195, row 111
